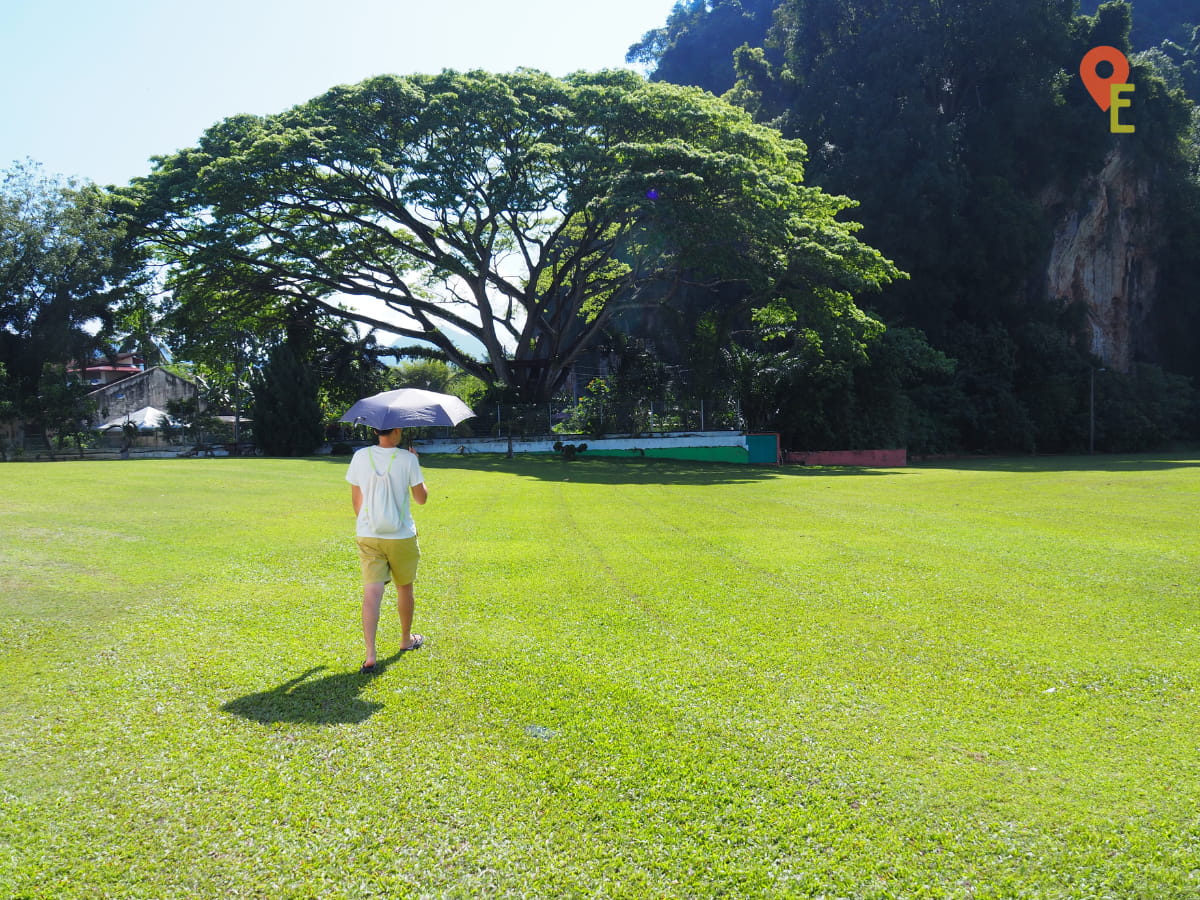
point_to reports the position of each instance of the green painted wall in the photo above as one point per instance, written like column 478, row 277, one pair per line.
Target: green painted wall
column 698, row 454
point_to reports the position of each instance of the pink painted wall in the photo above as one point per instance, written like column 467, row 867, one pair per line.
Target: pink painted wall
column 872, row 458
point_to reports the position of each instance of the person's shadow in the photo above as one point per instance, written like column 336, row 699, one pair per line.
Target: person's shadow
column 331, row 700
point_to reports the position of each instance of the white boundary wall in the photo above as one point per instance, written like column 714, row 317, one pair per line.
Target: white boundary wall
column 663, row 440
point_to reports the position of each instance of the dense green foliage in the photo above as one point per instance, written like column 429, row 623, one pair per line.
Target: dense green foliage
column 288, row 419
column 520, row 210
column 948, row 682
column 436, row 375
column 62, row 269
column 954, row 126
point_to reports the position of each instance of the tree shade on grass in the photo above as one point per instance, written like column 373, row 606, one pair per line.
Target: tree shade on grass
column 642, row 679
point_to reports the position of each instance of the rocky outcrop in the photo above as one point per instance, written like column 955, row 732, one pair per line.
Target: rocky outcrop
column 1107, row 237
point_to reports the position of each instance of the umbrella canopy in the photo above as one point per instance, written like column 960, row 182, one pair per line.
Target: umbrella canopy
column 407, row 408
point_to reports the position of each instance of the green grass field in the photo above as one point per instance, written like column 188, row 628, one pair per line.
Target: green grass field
column 642, row 680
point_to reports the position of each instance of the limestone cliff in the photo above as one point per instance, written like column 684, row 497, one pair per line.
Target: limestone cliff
column 1107, row 237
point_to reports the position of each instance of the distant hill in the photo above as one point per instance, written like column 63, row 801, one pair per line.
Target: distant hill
column 696, row 44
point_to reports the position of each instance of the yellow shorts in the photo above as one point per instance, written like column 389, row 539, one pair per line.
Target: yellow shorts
column 384, row 560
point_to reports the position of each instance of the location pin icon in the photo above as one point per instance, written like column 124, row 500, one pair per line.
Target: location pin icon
column 1099, row 87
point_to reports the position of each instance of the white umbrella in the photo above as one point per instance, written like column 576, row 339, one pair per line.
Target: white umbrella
column 145, row 419
column 407, row 408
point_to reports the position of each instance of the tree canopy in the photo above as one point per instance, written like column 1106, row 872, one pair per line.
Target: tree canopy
column 519, row 210
column 287, row 412
column 62, row 269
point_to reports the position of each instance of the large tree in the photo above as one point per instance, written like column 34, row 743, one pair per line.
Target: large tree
column 62, row 270
column 287, row 407
column 519, row 210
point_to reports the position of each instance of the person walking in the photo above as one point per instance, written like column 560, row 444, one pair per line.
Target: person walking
column 383, row 479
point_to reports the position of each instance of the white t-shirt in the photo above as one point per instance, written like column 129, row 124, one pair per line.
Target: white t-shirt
column 405, row 472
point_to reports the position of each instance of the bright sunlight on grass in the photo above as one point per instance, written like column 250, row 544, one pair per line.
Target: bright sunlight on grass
column 641, row 680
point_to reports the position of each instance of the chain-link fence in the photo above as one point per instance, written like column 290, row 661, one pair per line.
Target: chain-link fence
column 588, row 418
column 595, row 418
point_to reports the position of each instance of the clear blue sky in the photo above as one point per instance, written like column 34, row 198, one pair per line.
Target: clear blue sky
column 94, row 88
